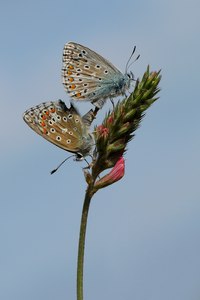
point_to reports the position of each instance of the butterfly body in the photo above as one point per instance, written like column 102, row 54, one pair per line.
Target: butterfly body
column 87, row 76
column 62, row 126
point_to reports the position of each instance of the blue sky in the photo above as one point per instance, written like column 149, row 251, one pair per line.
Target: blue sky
column 143, row 232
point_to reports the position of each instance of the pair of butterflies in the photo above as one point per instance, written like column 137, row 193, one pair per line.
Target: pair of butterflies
column 86, row 76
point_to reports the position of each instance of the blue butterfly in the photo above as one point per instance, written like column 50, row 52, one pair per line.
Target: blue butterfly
column 87, row 76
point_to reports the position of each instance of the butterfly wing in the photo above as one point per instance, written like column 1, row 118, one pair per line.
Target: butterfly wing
column 88, row 76
column 60, row 125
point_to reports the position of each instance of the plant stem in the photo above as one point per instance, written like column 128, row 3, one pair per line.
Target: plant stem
column 81, row 247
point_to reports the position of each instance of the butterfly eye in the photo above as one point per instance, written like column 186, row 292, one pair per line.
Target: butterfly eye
column 106, row 71
column 68, row 141
column 98, row 66
column 79, row 156
column 70, row 116
column 65, row 119
column 76, row 120
column 84, row 52
column 86, row 67
column 70, row 132
column 58, row 118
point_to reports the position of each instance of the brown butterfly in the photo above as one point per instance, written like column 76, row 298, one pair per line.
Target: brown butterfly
column 62, row 126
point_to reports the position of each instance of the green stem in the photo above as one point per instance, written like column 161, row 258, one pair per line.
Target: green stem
column 81, row 247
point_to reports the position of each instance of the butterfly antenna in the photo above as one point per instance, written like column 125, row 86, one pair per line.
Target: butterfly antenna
column 126, row 69
column 53, row 171
column 133, row 61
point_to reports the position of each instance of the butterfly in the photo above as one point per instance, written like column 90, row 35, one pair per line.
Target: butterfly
column 87, row 76
column 62, row 126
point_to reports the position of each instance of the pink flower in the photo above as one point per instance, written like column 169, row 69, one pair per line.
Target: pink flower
column 103, row 131
column 114, row 175
column 110, row 120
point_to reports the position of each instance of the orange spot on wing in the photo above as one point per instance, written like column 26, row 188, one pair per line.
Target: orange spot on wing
column 44, row 117
column 43, row 124
column 73, row 86
column 44, row 130
column 71, row 67
column 69, row 72
column 78, row 95
column 71, row 79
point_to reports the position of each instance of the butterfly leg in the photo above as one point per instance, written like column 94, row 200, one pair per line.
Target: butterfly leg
column 88, row 164
column 126, row 95
column 111, row 100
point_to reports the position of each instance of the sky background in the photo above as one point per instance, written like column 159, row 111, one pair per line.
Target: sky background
column 143, row 235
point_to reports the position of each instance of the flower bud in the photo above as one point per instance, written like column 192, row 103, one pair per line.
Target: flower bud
column 114, row 175
column 102, row 131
